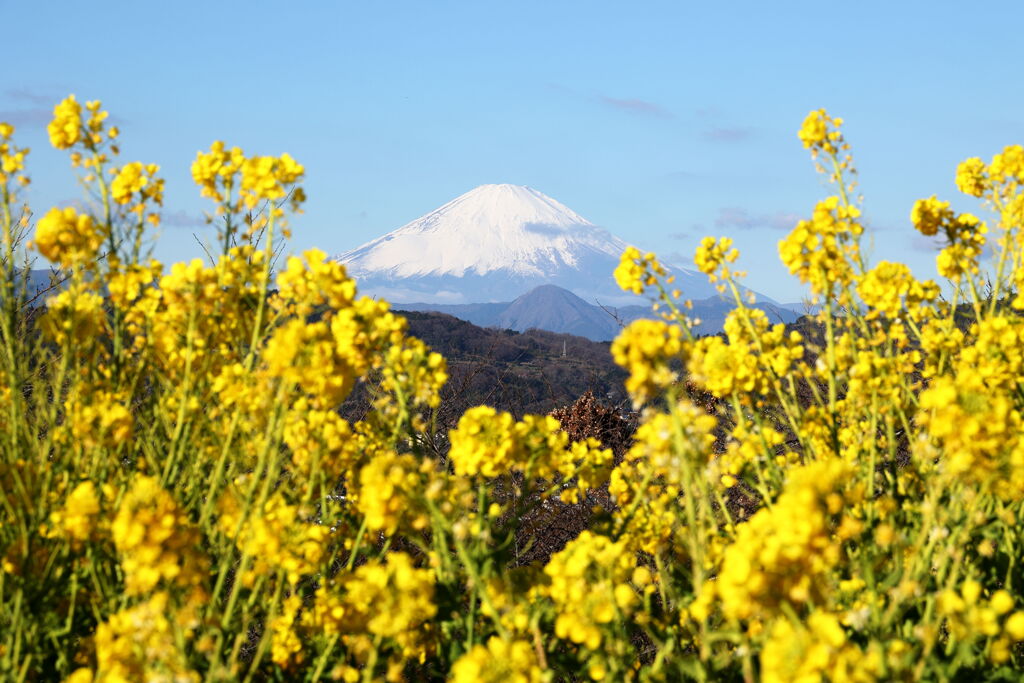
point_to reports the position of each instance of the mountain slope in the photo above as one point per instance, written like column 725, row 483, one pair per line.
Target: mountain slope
column 558, row 310
column 493, row 243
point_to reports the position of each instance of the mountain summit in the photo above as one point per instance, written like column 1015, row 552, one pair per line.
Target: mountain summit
column 492, row 244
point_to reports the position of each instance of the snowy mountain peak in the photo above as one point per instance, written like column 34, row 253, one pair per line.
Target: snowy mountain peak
column 509, row 228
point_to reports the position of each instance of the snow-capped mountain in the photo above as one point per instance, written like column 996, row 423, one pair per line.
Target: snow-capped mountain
column 494, row 243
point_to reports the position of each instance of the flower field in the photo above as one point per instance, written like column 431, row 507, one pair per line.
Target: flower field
column 180, row 499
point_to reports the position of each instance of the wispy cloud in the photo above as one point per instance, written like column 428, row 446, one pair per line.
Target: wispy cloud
column 27, row 107
column 695, row 230
column 679, row 258
column 182, row 219
column 726, row 134
column 628, row 105
column 34, row 117
column 732, row 217
column 635, row 106
column 29, row 95
column 684, row 175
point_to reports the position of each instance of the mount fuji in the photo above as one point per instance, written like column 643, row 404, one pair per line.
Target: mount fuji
column 494, row 243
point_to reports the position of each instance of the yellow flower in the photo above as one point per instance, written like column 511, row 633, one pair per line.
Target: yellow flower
column 137, row 179
column 67, row 237
column 814, row 652
column 647, row 349
column 392, row 599
column 141, row 643
column 589, row 587
column 66, row 127
column 822, row 251
column 274, row 536
column 891, row 290
column 971, row 177
column 1015, row 626
column 712, row 256
column 929, row 215
column 785, row 553
column 99, row 419
column 500, row 661
column 814, row 130
column 155, row 539
column 482, row 443
column 80, row 514
column 215, row 172
column 637, row 271
column 388, row 488
column 76, row 314
column 268, row 179
column 319, row 281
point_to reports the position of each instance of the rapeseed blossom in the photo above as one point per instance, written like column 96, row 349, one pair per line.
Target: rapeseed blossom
column 240, row 468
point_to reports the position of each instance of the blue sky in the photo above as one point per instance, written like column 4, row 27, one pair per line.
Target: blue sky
column 661, row 121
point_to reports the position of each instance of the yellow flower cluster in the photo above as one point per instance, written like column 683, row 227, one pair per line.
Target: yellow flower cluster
column 489, row 443
column 268, row 178
column 784, row 553
column 135, row 186
column 500, row 661
column 216, row 172
column 277, row 538
column 100, row 421
column 68, row 238
column 713, row 256
column 12, row 158
column 391, row 599
column 79, row 517
column 483, row 443
column 969, row 615
column 187, row 493
column 156, row 541
column 66, row 127
column 74, row 315
column 139, row 643
column 890, row 289
column 754, row 354
column 318, row 439
column 653, row 474
column 387, row 493
column 974, row 422
column 821, row 251
column 590, row 587
column 637, row 271
column 819, row 651
column 962, row 255
column 315, row 281
column 972, row 177
column 411, row 370
column 651, row 350
column 821, row 134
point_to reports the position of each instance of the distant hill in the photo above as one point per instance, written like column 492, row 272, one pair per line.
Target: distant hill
column 531, row 372
column 553, row 308
column 556, row 309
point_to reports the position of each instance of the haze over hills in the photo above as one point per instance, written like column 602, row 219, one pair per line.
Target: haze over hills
column 493, row 244
column 555, row 309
